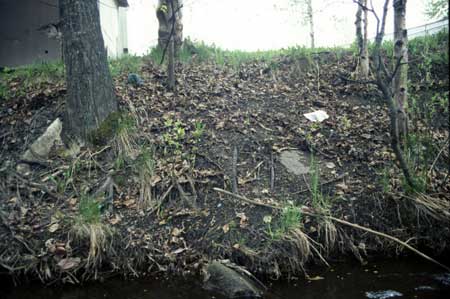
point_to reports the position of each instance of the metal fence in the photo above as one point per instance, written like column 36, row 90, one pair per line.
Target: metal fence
column 422, row 30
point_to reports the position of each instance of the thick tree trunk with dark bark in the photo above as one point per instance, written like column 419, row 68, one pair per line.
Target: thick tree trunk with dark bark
column 400, row 83
column 90, row 94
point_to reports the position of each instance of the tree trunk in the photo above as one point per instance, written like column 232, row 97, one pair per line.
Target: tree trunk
column 310, row 15
column 90, row 94
column 361, row 37
column 385, row 85
column 164, row 14
column 171, row 65
column 400, row 82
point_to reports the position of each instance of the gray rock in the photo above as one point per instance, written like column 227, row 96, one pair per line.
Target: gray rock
column 295, row 162
column 228, row 282
column 135, row 80
column 40, row 149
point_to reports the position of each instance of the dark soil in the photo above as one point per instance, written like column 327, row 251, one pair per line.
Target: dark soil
column 257, row 109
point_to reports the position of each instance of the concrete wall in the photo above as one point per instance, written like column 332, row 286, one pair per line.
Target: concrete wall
column 123, row 30
column 22, row 43
column 20, row 40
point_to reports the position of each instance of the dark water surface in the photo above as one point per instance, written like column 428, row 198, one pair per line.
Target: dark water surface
column 389, row 279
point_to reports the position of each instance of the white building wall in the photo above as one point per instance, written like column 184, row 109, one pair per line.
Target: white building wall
column 109, row 20
column 123, row 30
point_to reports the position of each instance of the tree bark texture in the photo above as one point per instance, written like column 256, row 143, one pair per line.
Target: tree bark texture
column 310, row 14
column 90, row 94
column 400, row 82
column 361, row 37
column 171, row 65
column 164, row 14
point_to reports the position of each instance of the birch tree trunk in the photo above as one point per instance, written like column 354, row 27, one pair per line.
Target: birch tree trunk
column 310, row 15
column 90, row 94
column 400, row 82
column 361, row 37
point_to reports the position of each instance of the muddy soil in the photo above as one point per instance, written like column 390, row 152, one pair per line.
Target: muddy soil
column 221, row 125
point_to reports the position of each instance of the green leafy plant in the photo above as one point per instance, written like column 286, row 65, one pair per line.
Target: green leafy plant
column 289, row 219
column 89, row 210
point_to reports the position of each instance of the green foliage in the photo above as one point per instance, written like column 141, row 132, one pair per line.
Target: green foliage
column 386, row 180
column 174, row 136
column 419, row 154
column 145, row 162
column 202, row 52
column 319, row 201
column 199, row 128
column 89, row 210
column 125, row 64
column 117, row 124
column 436, row 8
column 290, row 218
column 181, row 139
column 29, row 77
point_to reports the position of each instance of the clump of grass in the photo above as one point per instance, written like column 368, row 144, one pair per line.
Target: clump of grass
column 419, row 153
column 145, row 167
column 386, row 180
column 202, row 52
column 120, row 129
column 287, row 235
column 87, row 227
column 319, row 201
column 30, row 77
column 289, row 219
column 125, row 64
column 321, row 204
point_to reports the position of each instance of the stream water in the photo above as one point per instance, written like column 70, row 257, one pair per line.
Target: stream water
column 388, row 279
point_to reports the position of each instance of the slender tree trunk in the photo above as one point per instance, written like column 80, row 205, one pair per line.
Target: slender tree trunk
column 310, row 14
column 365, row 48
column 385, row 85
column 171, row 65
column 164, row 13
column 90, row 94
column 361, row 37
column 400, row 83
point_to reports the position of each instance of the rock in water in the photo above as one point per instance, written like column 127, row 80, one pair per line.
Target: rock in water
column 228, row 282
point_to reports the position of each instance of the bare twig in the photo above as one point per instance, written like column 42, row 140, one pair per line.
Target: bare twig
column 272, row 172
column 234, row 182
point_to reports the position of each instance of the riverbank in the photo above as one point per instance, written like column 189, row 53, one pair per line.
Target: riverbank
column 149, row 201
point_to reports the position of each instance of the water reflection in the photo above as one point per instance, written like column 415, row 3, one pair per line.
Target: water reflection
column 411, row 279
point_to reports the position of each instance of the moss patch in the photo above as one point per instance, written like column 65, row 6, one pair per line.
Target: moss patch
column 110, row 127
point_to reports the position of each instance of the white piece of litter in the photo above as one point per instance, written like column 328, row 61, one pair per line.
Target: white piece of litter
column 317, row 116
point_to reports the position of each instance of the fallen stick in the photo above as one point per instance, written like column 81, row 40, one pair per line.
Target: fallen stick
column 308, row 211
column 234, row 182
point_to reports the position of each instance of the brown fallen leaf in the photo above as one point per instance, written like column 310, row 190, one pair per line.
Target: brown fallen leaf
column 69, row 263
